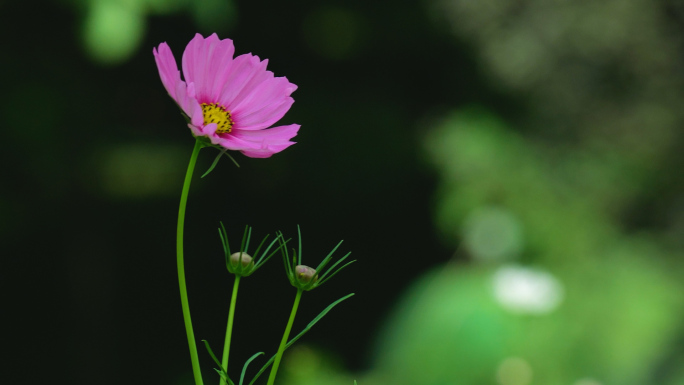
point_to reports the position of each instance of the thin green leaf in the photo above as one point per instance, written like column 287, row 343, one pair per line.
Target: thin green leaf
column 249, row 238
column 298, row 336
column 224, row 239
column 232, row 159
column 318, row 317
column 332, row 268
column 264, row 258
column 223, row 375
column 222, row 372
column 328, row 257
column 211, row 353
column 270, row 245
column 256, row 252
column 299, row 233
column 245, row 238
column 244, row 367
column 286, row 255
column 211, row 168
column 322, row 281
column 222, row 152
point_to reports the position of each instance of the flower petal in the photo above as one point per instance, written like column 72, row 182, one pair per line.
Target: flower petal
column 168, row 69
column 265, row 104
column 263, row 143
column 255, row 98
column 246, row 71
column 268, row 91
column 207, row 63
column 187, row 102
column 264, row 117
column 210, row 132
column 259, row 76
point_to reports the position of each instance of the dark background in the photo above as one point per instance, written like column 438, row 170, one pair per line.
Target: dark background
column 95, row 151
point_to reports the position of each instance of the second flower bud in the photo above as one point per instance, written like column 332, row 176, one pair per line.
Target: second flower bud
column 240, row 264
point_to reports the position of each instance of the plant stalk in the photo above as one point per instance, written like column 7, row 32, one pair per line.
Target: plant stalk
column 181, row 266
column 229, row 328
column 286, row 335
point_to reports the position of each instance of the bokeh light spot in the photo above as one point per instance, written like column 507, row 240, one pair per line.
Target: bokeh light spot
column 527, row 290
column 514, row 371
column 492, row 233
column 587, row 381
column 113, row 30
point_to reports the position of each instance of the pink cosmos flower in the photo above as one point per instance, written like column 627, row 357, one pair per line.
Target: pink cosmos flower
column 230, row 101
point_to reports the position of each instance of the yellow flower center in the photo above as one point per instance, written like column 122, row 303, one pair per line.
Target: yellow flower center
column 214, row 113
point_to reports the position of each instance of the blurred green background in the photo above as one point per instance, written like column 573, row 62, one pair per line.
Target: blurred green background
column 508, row 174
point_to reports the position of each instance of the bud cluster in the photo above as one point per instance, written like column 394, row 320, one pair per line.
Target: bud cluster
column 302, row 277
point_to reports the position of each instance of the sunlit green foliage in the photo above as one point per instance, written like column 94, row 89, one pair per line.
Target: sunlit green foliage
column 113, row 29
column 551, row 135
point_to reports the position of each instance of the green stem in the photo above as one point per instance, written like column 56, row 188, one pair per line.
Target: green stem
column 181, row 266
column 229, row 328
column 283, row 342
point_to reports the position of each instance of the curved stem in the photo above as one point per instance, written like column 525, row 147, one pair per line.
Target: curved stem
column 229, row 328
column 283, row 342
column 181, row 266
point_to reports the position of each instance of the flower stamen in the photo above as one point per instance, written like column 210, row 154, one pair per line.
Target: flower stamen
column 215, row 113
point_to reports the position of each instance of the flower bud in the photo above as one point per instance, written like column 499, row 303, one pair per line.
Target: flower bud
column 241, row 264
column 241, row 257
column 306, row 276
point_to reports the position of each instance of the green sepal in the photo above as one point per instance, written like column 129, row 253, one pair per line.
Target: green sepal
column 298, row 336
